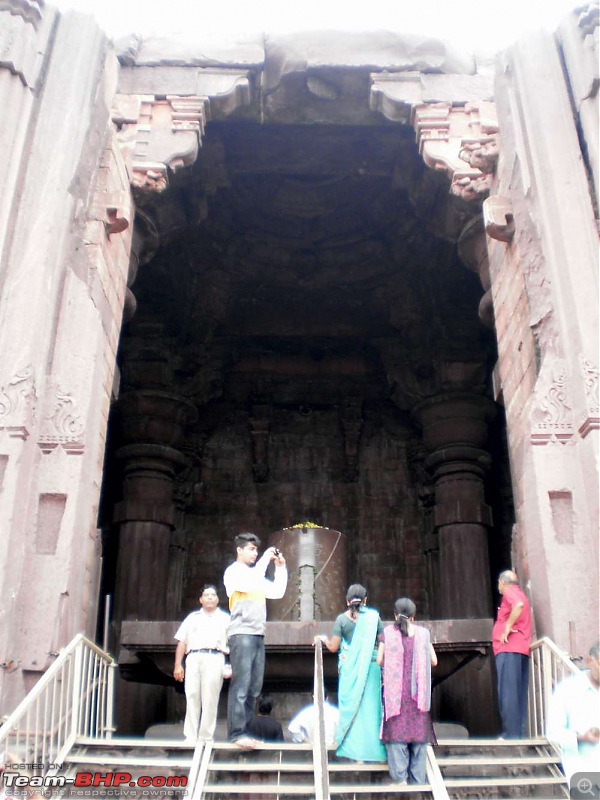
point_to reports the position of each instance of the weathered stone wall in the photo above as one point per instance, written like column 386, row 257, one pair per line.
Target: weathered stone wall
column 64, row 255
column 545, row 289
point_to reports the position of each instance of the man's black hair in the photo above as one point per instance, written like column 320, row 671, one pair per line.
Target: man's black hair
column 265, row 705
column 242, row 539
column 208, row 586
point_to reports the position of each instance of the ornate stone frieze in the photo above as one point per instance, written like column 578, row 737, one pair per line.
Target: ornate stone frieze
column 591, row 380
column 552, row 412
column 17, row 403
column 160, row 135
column 62, row 424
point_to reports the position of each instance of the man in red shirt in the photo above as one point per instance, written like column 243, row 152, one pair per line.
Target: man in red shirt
column 511, row 638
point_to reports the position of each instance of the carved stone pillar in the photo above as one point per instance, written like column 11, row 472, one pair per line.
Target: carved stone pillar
column 153, row 424
column 454, row 432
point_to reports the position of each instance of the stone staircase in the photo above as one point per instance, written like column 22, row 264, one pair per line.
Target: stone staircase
column 485, row 768
column 469, row 769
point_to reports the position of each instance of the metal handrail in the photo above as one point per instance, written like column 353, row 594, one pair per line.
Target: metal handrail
column 320, row 766
column 434, row 777
column 73, row 698
column 548, row 666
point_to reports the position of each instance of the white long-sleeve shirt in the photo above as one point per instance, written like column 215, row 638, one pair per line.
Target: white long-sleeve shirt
column 247, row 589
column 574, row 709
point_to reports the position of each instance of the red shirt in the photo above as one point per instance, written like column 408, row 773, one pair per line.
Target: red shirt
column 519, row 641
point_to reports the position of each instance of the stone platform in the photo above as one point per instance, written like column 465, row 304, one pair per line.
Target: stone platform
column 147, row 651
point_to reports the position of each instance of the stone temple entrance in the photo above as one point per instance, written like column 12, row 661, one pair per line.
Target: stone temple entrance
column 306, row 346
column 327, row 278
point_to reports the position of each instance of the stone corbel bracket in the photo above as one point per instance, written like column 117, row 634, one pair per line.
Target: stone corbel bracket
column 498, row 218
column 442, row 136
column 454, row 120
column 160, row 135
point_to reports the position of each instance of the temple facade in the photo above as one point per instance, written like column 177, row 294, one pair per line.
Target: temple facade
column 347, row 283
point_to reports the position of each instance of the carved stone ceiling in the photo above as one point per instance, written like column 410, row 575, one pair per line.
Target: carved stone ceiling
column 306, row 242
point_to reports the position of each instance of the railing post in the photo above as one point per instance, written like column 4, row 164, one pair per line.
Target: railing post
column 546, row 687
column 110, row 701
column 76, row 695
column 319, row 744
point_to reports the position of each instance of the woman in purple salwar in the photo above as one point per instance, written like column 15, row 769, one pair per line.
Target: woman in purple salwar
column 406, row 655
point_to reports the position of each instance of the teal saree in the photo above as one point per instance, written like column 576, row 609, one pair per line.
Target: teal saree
column 359, row 693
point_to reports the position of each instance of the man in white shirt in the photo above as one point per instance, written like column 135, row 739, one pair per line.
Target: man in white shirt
column 574, row 718
column 202, row 638
column 303, row 724
column 247, row 589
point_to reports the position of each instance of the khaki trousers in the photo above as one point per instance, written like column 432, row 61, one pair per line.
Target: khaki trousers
column 203, row 682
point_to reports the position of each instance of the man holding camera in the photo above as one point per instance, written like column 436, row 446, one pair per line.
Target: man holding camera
column 248, row 589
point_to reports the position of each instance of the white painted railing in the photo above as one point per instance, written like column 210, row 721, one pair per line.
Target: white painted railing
column 548, row 666
column 73, row 698
column 320, row 765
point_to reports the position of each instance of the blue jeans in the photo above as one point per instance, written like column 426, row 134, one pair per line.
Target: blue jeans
column 407, row 761
column 247, row 656
column 513, row 683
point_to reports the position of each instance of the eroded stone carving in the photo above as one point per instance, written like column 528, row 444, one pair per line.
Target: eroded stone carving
column 17, row 399
column 552, row 413
column 591, row 376
column 62, row 424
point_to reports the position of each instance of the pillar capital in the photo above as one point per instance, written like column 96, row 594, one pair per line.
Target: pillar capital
column 155, row 417
column 454, row 418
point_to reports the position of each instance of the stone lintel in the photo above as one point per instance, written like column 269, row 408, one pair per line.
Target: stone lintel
column 391, row 91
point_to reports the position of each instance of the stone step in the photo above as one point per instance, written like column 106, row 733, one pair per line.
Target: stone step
column 129, row 743
column 127, row 760
column 308, row 790
column 290, row 766
column 534, row 780
column 500, row 761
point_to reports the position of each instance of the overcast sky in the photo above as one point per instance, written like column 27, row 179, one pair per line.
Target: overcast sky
column 483, row 26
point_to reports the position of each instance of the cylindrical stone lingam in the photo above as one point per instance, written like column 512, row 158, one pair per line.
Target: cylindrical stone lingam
column 317, row 567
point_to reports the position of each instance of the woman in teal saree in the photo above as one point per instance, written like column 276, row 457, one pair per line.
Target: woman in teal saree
column 355, row 637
